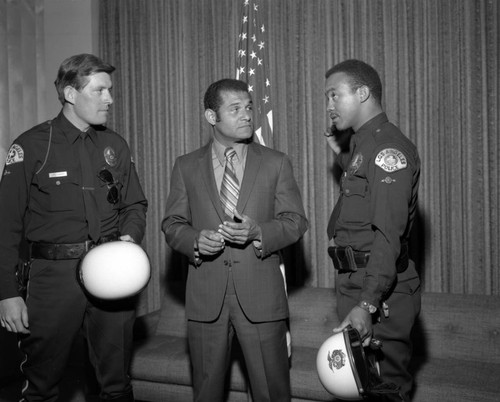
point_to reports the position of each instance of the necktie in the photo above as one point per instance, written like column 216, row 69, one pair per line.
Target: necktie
column 230, row 188
column 89, row 201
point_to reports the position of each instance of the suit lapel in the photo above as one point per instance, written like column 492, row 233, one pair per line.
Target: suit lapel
column 207, row 174
column 252, row 168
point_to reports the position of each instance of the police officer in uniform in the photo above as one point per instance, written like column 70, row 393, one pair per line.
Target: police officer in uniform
column 378, row 288
column 68, row 184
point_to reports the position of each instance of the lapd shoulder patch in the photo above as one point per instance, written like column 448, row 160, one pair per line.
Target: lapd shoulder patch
column 391, row 160
column 15, row 155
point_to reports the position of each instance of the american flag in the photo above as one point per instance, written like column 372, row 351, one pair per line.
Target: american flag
column 253, row 56
column 253, row 69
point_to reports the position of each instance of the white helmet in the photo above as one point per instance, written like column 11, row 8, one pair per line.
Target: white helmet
column 115, row 270
column 342, row 366
column 345, row 370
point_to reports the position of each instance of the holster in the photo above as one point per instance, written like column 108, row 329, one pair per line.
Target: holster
column 22, row 276
column 346, row 259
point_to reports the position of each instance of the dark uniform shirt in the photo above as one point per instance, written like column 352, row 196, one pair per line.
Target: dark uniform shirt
column 378, row 200
column 41, row 194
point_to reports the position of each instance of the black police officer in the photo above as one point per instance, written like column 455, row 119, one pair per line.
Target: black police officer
column 378, row 288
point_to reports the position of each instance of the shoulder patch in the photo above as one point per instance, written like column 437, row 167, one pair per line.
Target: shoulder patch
column 15, row 155
column 391, row 160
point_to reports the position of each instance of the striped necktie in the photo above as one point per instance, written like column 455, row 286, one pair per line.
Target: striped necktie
column 230, row 188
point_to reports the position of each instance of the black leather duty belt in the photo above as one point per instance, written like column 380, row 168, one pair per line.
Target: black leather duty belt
column 67, row 251
column 345, row 259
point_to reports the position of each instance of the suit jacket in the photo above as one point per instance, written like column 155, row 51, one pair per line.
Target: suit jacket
column 268, row 194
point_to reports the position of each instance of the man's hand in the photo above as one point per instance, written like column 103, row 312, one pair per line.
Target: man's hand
column 127, row 238
column 14, row 315
column 332, row 142
column 210, row 242
column 361, row 320
column 241, row 232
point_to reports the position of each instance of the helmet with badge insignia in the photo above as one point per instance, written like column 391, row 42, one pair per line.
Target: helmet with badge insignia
column 345, row 371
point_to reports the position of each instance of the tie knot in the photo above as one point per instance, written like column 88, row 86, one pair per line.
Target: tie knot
column 229, row 153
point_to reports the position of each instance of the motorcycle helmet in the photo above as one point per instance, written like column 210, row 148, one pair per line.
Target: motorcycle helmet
column 348, row 371
column 115, row 270
column 342, row 366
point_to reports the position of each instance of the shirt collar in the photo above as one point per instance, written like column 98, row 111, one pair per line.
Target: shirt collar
column 369, row 127
column 219, row 149
column 70, row 131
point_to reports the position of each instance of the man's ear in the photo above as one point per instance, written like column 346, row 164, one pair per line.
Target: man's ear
column 69, row 94
column 363, row 93
column 211, row 116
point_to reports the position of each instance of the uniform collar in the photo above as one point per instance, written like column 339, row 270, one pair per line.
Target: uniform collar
column 369, row 127
column 70, row 131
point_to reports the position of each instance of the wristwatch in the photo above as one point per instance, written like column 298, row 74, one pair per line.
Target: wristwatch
column 367, row 307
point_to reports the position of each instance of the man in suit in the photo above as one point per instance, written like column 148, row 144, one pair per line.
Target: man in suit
column 235, row 285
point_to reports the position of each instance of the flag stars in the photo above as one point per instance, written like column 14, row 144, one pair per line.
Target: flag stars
column 245, row 19
column 250, row 88
column 261, row 45
column 259, row 62
column 251, row 71
column 268, row 84
column 265, row 99
column 253, row 55
column 262, row 28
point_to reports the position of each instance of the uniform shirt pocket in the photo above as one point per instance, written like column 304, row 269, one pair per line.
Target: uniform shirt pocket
column 57, row 191
column 355, row 207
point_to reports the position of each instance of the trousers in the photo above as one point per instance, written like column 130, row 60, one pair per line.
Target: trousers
column 264, row 349
column 58, row 309
column 393, row 331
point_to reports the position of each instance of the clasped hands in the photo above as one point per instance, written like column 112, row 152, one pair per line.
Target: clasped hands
column 211, row 242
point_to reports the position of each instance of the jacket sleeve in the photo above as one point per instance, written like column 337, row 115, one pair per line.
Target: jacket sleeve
column 134, row 205
column 177, row 224
column 14, row 187
column 391, row 193
column 289, row 222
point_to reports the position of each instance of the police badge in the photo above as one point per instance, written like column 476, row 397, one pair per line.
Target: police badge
column 356, row 162
column 110, row 156
column 336, row 359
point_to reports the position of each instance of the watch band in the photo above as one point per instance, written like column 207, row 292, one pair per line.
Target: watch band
column 367, row 306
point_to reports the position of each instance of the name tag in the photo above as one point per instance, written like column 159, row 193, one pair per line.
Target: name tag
column 58, row 174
